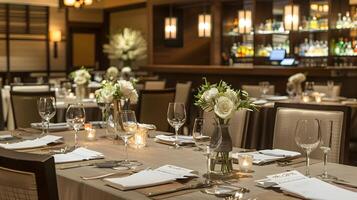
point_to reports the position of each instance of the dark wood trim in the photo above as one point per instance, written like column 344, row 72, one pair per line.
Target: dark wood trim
column 2, row 121
column 8, row 76
column 104, row 61
column 69, row 39
column 346, row 132
column 48, row 53
column 126, row 7
column 27, row 19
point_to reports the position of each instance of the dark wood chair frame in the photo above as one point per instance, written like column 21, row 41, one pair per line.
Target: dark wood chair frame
column 42, row 166
column 2, row 120
column 346, row 132
column 14, row 93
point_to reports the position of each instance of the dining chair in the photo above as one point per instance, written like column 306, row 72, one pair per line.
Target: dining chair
column 336, row 90
column 24, row 107
column 25, row 176
column 30, row 87
column 287, row 115
column 237, row 126
column 154, row 85
column 255, row 91
column 152, row 107
column 183, row 92
column 2, row 121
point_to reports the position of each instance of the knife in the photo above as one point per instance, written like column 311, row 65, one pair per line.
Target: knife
column 185, row 187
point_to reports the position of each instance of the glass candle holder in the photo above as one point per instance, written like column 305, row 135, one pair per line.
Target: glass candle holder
column 91, row 96
column 306, row 98
column 318, row 98
column 91, row 134
column 140, row 138
column 245, row 163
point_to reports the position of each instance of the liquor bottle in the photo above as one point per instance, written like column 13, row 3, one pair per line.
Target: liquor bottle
column 339, row 22
column 314, row 25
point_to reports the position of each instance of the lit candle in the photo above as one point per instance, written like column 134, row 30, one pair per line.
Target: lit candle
column 71, row 95
column 91, row 134
column 245, row 163
column 140, row 138
column 318, row 98
column 91, row 95
column 305, row 98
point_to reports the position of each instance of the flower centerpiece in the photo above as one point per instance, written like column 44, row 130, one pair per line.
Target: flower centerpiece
column 126, row 46
column 119, row 93
column 112, row 73
column 224, row 102
column 81, row 78
column 295, row 82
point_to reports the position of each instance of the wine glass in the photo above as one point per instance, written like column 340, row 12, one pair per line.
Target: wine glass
column 326, row 143
column 130, row 127
column 330, row 85
column 202, row 138
column 46, row 107
column 176, row 116
column 308, row 137
column 75, row 117
column 264, row 88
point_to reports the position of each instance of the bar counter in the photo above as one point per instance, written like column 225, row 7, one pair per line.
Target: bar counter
column 246, row 74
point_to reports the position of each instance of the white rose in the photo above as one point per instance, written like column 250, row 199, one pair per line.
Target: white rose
column 79, row 80
column 112, row 71
column 224, row 107
column 133, row 97
column 297, row 78
column 210, row 94
column 126, row 87
column 231, row 94
column 125, row 70
column 107, row 94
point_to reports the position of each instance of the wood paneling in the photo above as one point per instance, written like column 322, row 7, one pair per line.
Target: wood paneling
column 85, row 15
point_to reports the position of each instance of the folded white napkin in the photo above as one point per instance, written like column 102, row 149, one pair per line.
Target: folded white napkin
column 280, row 153
column 268, row 155
column 78, row 154
column 51, row 125
column 147, row 178
column 182, row 139
column 5, row 137
column 281, row 178
column 35, row 143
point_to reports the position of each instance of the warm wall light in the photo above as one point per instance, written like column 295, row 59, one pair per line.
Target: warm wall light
column 291, row 17
column 55, row 37
column 244, row 21
column 170, row 27
column 69, row 2
column 204, row 25
column 77, row 3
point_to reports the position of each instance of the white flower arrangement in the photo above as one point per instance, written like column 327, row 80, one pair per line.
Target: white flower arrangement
column 222, row 100
column 297, row 78
column 121, row 89
column 127, row 46
column 126, row 70
column 112, row 73
column 81, row 76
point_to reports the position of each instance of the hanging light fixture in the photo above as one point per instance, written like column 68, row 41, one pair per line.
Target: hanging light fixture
column 291, row 17
column 77, row 3
column 244, row 21
column 204, row 25
column 170, row 26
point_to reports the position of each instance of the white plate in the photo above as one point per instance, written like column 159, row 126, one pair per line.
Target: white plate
column 277, row 98
column 260, row 102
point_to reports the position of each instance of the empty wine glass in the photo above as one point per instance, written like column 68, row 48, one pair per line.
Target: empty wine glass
column 75, row 117
column 47, row 109
column 326, row 143
column 130, row 127
column 104, row 108
column 308, row 137
column 264, row 88
column 330, row 86
column 176, row 116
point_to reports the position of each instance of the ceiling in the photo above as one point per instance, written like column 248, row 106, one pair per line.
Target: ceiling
column 97, row 4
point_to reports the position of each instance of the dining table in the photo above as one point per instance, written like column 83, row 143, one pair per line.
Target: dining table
column 72, row 187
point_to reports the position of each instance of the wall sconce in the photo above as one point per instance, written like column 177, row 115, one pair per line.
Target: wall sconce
column 170, row 27
column 291, row 17
column 244, row 21
column 77, row 3
column 55, row 37
column 204, row 25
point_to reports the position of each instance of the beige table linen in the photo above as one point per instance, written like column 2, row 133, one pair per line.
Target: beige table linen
column 72, row 187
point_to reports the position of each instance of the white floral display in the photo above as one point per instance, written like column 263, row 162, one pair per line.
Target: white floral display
column 127, row 46
column 112, row 73
column 297, row 78
column 121, row 89
column 222, row 100
column 81, row 76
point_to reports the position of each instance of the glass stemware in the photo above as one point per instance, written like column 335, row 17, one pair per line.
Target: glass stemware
column 326, row 142
column 47, row 109
column 75, row 117
column 104, row 108
column 308, row 137
column 264, row 88
column 330, row 85
column 176, row 116
column 130, row 127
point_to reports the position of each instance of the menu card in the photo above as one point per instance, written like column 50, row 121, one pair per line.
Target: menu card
column 268, row 155
column 35, row 143
column 182, row 139
column 149, row 177
column 296, row 184
column 79, row 154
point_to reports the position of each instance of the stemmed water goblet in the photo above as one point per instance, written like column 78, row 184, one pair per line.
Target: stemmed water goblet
column 308, row 137
column 75, row 118
column 326, row 143
column 47, row 109
column 264, row 88
column 176, row 116
column 130, row 127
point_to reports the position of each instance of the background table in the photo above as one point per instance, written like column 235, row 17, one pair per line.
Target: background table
column 72, row 187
